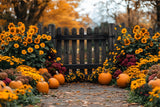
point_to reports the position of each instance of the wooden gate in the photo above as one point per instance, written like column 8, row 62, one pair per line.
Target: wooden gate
column 81, row 50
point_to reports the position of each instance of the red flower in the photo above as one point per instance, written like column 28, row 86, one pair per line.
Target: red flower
column 124, row 62
column 133, row 59
column 130, row 56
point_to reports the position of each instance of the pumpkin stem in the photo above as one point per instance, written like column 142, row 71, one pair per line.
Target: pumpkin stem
column 155, row 78
column 2, row 86
column 57, row 72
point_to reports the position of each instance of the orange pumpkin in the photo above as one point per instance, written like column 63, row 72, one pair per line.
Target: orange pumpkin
column 43, row 70
column 123, row 80
column 15, row 84
column 2, row 84
column 42, row 87
column 6, row 88
column 104, row 78
column 53, row 83
column 154, row 83
column 59, row 77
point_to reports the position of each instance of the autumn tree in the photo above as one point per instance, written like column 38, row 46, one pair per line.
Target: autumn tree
column 26, row 11
column 62, row 13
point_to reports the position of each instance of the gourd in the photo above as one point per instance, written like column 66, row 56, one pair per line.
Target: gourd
column 104, row 78
column 59, row 77
column 123, row 80
column 53, row 83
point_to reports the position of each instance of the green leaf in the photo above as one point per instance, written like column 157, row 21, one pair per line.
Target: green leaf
column 32, row 55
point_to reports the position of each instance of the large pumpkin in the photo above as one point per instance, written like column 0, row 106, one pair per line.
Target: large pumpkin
column 42, row 87
column 104, row 78
column 43, row 70
column 154, row 83
column 59, row 77
column 53, row 83
column 15, row 84
column 2, row 84
column 123, row 80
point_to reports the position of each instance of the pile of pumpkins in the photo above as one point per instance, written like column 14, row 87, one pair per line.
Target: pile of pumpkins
column 42, row 86
column 122, row 80
column 53, row 82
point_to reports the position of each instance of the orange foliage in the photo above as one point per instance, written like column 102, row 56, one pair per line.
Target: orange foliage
column 62, row 13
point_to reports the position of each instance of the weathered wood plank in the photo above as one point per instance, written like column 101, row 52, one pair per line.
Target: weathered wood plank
column 89, row 50
column 45, row 30
column 40, row 28
column 74, row 48
column 96, row 47
column 59, row 42
column 66, row 47
column 81, row 49
column 52, row 33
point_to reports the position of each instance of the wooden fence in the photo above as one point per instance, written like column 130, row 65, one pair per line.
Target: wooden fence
column 84, row 50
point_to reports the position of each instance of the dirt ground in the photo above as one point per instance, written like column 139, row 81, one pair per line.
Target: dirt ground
column 86, row 95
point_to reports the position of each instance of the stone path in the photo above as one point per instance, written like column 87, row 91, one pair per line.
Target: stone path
column 86, row 95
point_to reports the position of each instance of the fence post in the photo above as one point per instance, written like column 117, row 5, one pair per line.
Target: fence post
column 89, row 50
column 58, row 45
column 74, row 48
column 52, row 33
column 39, row 28
column 81, row 49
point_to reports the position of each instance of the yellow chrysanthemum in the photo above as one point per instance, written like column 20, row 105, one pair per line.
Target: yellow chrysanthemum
column 49, row 38
column 41, row 52
column 36, row 46
column 42, row 45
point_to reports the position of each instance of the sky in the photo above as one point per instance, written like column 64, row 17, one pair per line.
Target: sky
column 94, row 9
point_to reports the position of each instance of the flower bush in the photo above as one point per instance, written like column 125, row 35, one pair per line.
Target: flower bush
column 25, row 44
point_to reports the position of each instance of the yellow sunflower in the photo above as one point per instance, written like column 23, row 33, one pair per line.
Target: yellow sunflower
column 137, row 36
column 30, row 50
column 41, row 52
column 36, row 40
column 11, row 25
column 35, row 28
column 144, row 40
column 42, row 45
column 31, row 31
column 25, row 43
column 143, row 30
column 29, row 40
column 137, row 52
column 16, row 45
column 36, row 46
column 124, row 30
column 12, row 30
column 127, row 41
column 49, row 38
column 44, row 36
column 17, row 30
column 24, row 52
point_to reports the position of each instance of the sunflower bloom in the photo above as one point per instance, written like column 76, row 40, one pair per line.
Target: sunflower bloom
column 30, row 50
column 36, row 46
column 124, row 30
column 41, row 52
column 44, row 36
column 127, row 42
column 25, row 43
column 42, row 45
column 16, row 45
column 29, row 40
column 12, row 30
column 11, row 25
column 49, row 38
column 144, row 40
column 137, row 36
column 24, row 52
column 36, row 40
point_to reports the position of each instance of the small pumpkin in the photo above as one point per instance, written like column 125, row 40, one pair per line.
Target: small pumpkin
column 15, row 84
column 6, row 88
column 43, row 70
column 42, row 87
column 154, row 83
column 123, row 80
column 2, row 84
column 104, row 78
column 53, row 83
column 59, row 77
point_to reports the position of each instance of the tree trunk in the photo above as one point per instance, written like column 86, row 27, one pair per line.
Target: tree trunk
column 158, row 15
